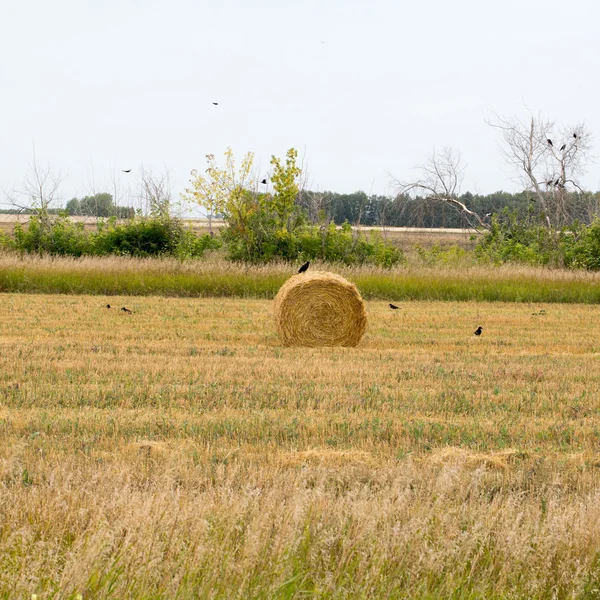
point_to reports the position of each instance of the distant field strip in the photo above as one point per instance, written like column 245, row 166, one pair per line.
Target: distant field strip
column 218, row 278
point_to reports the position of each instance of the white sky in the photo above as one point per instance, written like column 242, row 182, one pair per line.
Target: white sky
column 360, row 87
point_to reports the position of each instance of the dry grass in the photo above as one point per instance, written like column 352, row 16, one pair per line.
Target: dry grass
column 214, row 276
column 181, row 452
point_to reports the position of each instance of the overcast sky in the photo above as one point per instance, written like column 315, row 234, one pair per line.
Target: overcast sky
column 361, row 88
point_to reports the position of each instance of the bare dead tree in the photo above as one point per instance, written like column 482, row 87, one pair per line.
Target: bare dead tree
column 440, row 181
column 548, row 160
column 315, row 204
column 155, row 194
column 39, row 191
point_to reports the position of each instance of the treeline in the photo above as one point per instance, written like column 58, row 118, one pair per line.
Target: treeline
column 403, row 211
column 98, row 205
column 360, row 208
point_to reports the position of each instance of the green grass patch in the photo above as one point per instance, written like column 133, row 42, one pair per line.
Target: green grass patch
column 219, row 278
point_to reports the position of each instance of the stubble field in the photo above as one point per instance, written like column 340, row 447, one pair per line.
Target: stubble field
column 180, row 451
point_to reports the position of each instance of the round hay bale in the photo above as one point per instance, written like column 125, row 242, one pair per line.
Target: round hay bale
column 319, row 309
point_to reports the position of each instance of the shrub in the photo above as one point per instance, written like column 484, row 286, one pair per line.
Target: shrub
column 511, row 239
column 139, row 237
column 582, row 246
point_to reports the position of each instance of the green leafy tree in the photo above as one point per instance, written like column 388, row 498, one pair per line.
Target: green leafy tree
column 285, row 183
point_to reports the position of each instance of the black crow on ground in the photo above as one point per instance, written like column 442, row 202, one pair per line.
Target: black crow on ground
column 108, row 306
column 394, row 307
column 304, row 267
column 478, row 331
column 126, row 310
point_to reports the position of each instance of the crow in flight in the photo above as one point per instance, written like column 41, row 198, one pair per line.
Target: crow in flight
column 563, row 147
column 304, row 267
column 126, row 310
column 126, row 171
column 216, row 103
column 394, row 307
column 478, row 331
column 549, row 142
column 264, row 182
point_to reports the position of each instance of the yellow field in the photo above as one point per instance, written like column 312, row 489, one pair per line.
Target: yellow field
column 182, row 450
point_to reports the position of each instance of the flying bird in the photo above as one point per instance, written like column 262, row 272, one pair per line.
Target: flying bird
column 394, row 307
column 549, row 142
column 126, row 310
column 563, row 147
column 264, row 182
column 478, row 331
column 216, row 103
column 126, row 170
column 304, row 267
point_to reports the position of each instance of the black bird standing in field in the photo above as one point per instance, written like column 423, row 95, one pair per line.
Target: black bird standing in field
column 108, row 306
column 478, row 331
column 549, row 142
column 126, row 310
column 394, row 307
column 126, row 170
column 304, row 267
column 563, row 147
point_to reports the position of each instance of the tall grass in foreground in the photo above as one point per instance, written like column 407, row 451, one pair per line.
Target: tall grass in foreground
column 219, row 278
column 180, row 452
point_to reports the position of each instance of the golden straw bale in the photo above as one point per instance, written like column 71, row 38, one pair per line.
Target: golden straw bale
column 319, row 309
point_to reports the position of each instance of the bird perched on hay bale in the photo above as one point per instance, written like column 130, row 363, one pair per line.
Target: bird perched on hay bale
column 319, row 309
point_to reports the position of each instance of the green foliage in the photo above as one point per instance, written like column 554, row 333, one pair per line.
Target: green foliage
column 518, row 240
column 266, row 227
column 285, row 184
column 139, row 237
column 98, row 205
column 51, row 235
column 582, row 246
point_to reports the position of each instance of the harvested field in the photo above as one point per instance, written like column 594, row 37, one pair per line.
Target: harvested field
column 181, row 451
